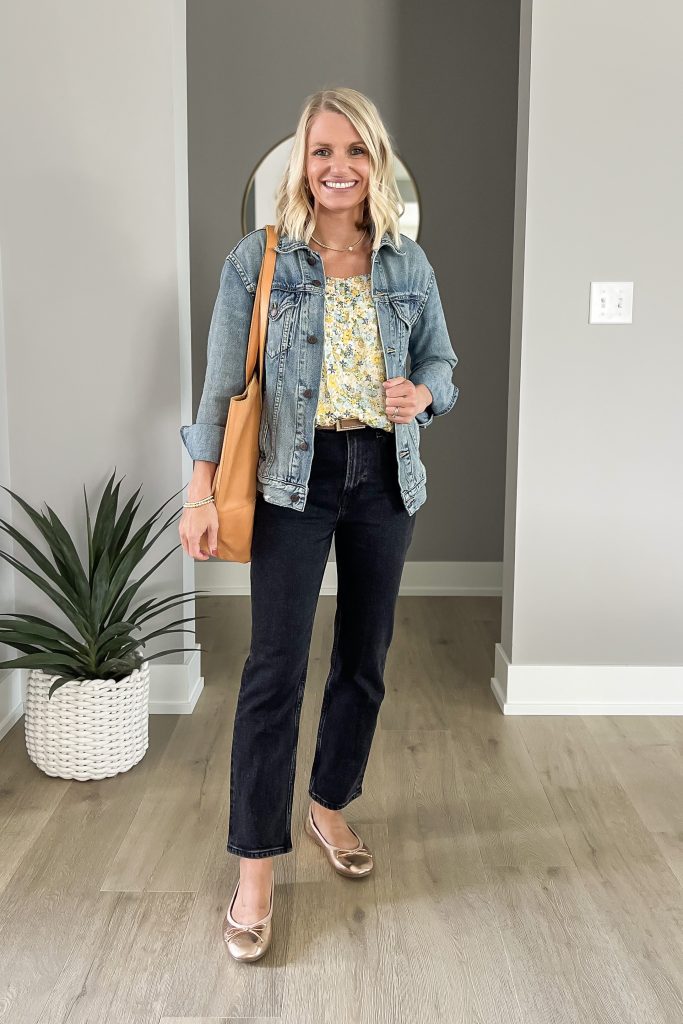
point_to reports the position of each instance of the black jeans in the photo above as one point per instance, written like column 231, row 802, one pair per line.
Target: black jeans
column 353, row 495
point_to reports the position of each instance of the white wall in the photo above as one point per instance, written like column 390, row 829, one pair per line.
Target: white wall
column 594, row 566
column 6, row 511
column 94, row 136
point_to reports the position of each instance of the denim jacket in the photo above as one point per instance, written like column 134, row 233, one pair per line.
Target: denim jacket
column 411, row 324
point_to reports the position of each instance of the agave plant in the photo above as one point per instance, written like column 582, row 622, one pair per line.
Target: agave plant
column 97, row 601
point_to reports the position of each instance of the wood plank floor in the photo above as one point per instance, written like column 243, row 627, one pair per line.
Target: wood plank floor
column 528, row 870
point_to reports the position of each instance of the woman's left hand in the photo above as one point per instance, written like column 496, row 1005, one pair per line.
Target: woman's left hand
column 403, row 400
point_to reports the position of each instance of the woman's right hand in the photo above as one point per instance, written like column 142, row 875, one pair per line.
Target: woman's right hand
column 193, row 524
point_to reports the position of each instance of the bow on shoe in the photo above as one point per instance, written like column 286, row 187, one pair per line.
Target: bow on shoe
column 231, row 933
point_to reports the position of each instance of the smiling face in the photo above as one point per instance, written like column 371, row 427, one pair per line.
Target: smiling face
column 337, row 164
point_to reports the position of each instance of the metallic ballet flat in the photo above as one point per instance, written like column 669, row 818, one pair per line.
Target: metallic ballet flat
column 247, row 941
column 355, row 863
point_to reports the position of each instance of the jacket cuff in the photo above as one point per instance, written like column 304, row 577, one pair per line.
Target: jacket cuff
column 444, row 393
column 204, row 441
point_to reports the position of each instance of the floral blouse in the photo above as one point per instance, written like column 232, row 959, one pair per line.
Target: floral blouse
column 353, row 362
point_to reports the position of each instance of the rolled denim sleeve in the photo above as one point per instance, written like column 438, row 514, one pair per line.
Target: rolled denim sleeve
column 226, row 355
column 432, row 359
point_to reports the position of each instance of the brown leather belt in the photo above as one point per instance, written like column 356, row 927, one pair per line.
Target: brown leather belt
column 348, row 423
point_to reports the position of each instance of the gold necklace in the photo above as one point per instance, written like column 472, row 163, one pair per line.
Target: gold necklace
column 347, row 248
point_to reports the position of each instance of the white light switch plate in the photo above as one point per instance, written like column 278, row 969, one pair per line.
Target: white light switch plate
column 611, row 302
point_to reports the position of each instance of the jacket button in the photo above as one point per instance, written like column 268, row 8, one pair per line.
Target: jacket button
column 308, row 393
column 304, row 446
column 294, row 497
column 316, row 281
column 310, row 260
column 312, row 340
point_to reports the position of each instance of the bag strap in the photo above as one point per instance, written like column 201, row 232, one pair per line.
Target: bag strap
column 259, row 319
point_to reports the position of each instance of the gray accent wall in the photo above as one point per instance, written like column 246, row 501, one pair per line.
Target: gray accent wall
column 444, row 78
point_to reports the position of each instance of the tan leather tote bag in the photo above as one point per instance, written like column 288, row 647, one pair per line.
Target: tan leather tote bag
column 234, row 483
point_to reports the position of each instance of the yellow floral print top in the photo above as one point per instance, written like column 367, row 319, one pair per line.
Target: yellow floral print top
column 353, row 362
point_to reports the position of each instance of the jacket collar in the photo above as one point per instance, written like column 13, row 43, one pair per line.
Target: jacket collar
column 287, row 244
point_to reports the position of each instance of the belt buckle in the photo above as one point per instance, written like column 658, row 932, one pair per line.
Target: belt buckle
column 352, row 421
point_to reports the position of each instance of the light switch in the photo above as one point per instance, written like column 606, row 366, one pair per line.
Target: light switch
column 611, row 302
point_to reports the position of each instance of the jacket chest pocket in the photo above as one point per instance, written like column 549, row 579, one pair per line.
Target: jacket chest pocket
column 401, row 312
column 282, row 316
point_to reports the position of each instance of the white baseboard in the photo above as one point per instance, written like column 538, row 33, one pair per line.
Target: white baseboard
column 587, row 689
column 11, row 697
column 425, row 579
column 175, row 689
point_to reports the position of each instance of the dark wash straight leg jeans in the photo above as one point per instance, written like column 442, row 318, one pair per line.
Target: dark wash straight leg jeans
column 354, row 496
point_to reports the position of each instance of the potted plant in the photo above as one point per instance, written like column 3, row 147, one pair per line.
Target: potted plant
column 87, row 697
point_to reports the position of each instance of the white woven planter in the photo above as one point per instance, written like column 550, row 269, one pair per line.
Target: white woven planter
column 88, row 729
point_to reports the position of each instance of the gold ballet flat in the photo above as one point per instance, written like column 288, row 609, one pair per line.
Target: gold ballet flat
column 355, row 863
column 247, row 941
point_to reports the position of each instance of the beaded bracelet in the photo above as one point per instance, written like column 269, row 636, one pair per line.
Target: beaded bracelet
column 195, row 504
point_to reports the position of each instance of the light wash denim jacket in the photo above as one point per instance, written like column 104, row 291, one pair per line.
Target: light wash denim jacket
column 411, row 324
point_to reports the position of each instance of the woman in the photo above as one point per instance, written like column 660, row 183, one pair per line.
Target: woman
column 339, row 456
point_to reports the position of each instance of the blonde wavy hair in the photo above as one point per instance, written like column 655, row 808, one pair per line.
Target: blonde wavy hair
column 383, row 206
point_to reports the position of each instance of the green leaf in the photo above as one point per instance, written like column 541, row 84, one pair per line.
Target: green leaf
column 114, row 631
column 173, row 650
column 166, row 629
column 104, row 519
column 33, row 625
column 70, row 562
column 122, row 607
column 142, row 532
column 43, row 660
column 167, row 605
column 142, row 608
column 57, row 575
column 79, row 622
column 89, row 531
column 123, row 525
column 100, row 592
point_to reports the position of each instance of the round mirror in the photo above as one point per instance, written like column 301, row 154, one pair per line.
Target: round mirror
column 258, row 205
